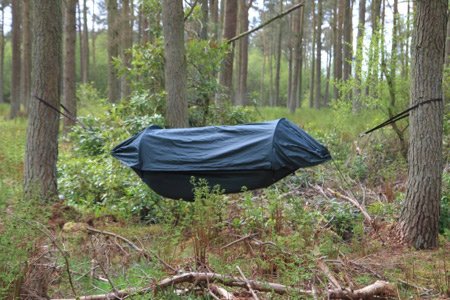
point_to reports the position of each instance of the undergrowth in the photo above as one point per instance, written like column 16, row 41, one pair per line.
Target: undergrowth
column 286, row 228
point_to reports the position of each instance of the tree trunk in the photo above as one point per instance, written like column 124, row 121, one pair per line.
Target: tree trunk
column 85, row 46
column 26, row 55
column 16, row 57
column 298, row 61
column 230, row 26
column 419, row 220
column 42, row 134
column 326, row 99
column 313, row 55
column 113, row 51
column 372, row 68
column 347, row 41
column 205, row 20
column 278, row 58
column 356, row 106
column 447, row 47
column 175, row 63
column 318, row 94
column 127, row 44
column 241, row 95
column 2, row 52
column 214, row 10
column 69, row 86
column 93, row 37
column 337, row 51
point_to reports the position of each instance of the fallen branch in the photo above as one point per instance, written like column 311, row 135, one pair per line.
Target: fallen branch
column 376, row 289
column 223, row 293
column 249, row 286
column 229, row 281
column 354, row 202
column 362, row 209
column 324, row 268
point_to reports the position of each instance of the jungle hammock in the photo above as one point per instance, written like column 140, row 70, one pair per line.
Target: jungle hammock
column 252, row 156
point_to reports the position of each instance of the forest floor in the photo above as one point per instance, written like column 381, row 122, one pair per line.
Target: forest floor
column 303, row 234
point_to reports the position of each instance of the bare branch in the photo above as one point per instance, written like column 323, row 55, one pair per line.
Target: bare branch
column 267, row 22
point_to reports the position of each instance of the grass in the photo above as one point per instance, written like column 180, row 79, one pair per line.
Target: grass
column 299, row 228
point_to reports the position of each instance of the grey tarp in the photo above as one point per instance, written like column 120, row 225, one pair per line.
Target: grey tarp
column 251, row 156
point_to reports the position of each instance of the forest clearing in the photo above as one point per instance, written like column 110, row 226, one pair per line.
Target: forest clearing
column 349, row 213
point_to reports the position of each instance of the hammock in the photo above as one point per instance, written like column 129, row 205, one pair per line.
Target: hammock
column 251, row 156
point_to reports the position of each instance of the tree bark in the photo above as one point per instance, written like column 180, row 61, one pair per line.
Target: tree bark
column 26, row 55
column 113, row 51
column 42, row 133
column 16, row 58
column 230, row 27
column 69, row 86
column 85, row 46
column 356, row 105
column 419, row 220
column 318, row 94
column 175, row 63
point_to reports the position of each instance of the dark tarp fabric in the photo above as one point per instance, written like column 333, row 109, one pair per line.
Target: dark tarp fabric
column 252, row 156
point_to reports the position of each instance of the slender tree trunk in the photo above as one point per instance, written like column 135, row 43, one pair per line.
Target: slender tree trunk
column 271, row 96
column 93, row 38
column 372, row 68
column 205, row 20
column 127, row 44
column 313, row 55
column 419, row 219
column 214, row 9
column 175, row 67
column 241, row 96
column 85, row 46
column 221, row 27
column 298, row 61
column 290, row 71
column 318, row 94
column 337, row 51
column 447, row 46
column 326, row 99
column 69, row 86
column 230, row 26
column 16, row 57
column 42, row 133
column 26, row 55
column 347, row 41
column 278, row 58
column 2, row 53
column 113, row 51
column 356, row 106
